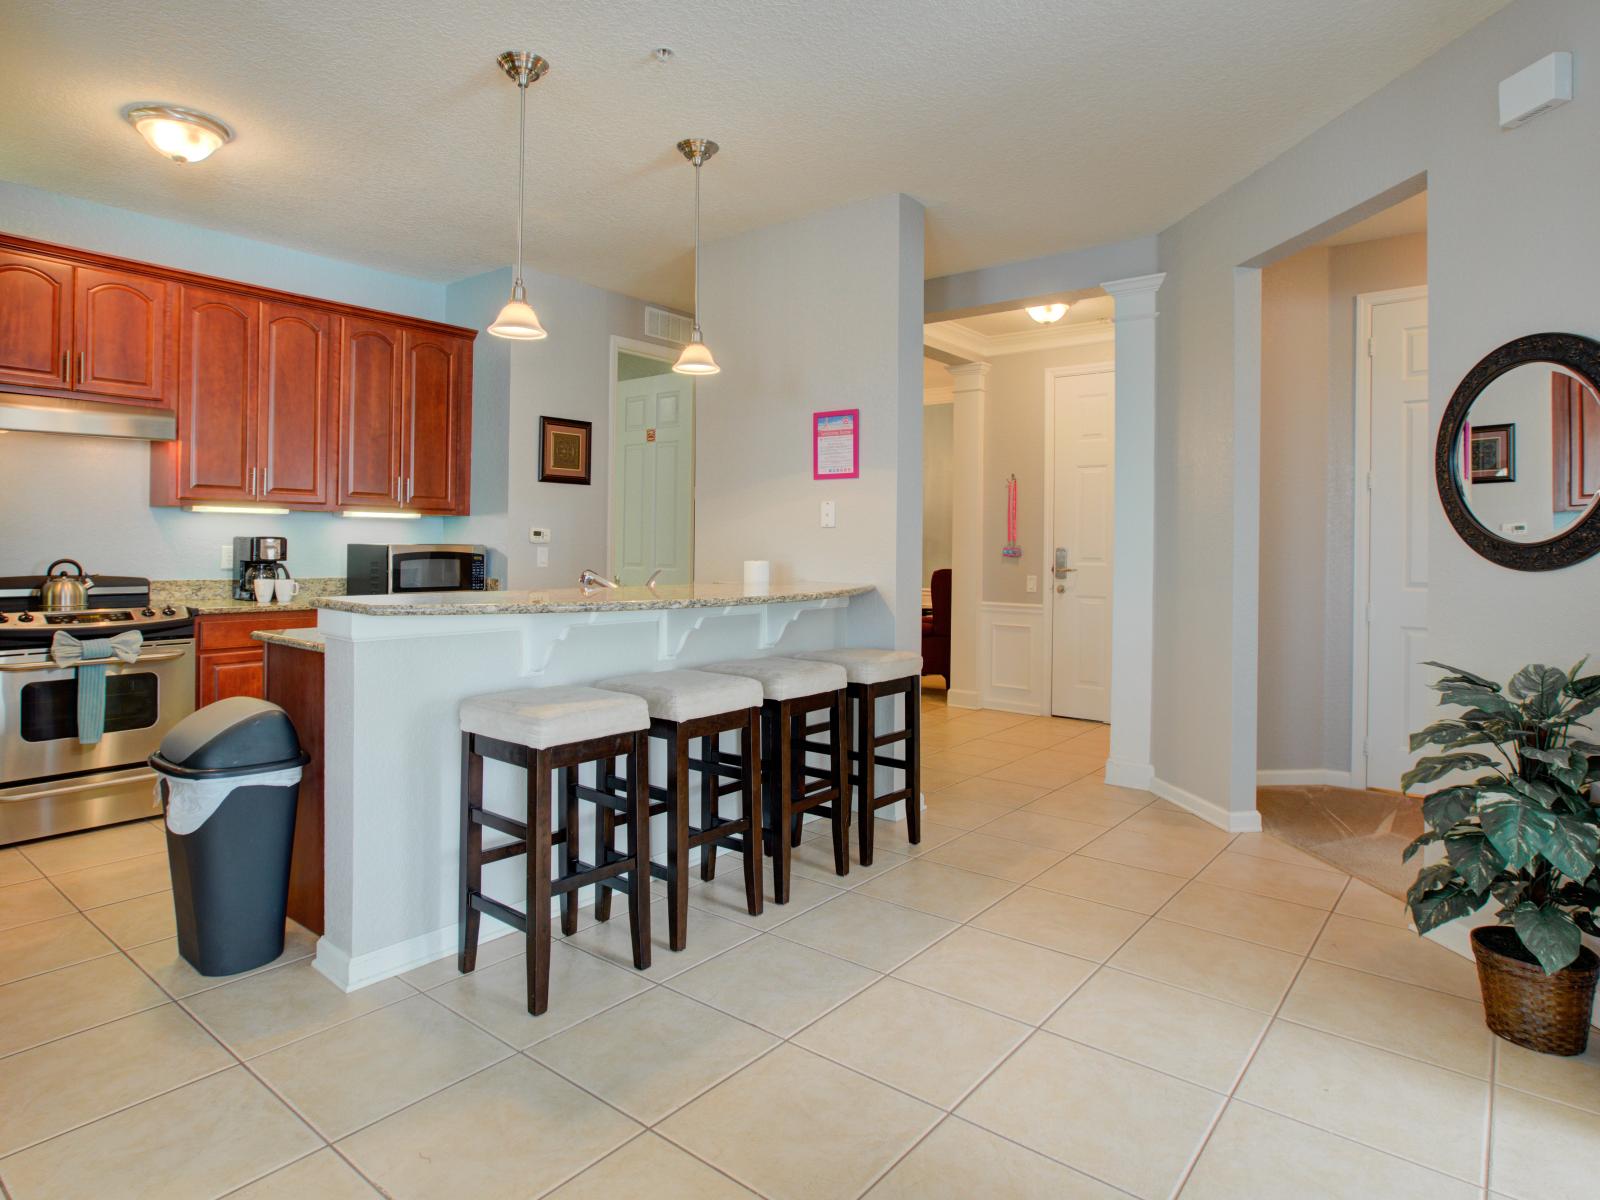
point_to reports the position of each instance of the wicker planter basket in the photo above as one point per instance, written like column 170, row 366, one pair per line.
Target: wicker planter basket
column 1547, row 1013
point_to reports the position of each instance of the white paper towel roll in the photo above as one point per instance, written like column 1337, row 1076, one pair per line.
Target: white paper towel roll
column 757, row 572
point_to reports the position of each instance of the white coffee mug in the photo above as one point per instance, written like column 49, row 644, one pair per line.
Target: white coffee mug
column 286, row 590
column 264, row 591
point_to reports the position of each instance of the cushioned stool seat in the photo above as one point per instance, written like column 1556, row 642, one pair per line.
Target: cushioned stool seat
column 553, row 716
column 866, row 665
column 785, row 678
column 688, row 695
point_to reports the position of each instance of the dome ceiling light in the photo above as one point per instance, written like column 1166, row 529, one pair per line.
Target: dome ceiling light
column 1047, row 314
column 181, row 134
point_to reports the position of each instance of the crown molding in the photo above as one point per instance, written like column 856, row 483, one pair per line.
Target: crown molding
column 954, row 338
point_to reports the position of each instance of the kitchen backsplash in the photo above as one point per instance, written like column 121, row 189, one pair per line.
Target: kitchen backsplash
column 170, row 591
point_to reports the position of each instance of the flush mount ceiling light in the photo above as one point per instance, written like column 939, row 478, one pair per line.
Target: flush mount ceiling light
column 696, row 357
column 517, row 320
column 181, row 134
column 1047, row 314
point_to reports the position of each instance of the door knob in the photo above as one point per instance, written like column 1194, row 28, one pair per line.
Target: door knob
column 1061, row 588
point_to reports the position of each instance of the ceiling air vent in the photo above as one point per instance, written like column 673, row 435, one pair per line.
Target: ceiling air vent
column 668, row 326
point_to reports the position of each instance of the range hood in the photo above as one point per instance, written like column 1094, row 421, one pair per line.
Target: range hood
column 49, row 414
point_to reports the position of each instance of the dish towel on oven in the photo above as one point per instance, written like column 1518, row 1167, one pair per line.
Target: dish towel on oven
column 90, row 660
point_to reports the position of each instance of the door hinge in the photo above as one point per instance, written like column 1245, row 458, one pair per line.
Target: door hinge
column 1369, row 614
column 1370, row 343
column 1369, row 481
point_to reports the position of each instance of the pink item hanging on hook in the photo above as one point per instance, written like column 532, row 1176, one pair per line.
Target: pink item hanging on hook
column 1011, row 548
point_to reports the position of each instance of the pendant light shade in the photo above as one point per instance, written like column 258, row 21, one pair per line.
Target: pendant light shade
column 517, row 320
column 696, row 357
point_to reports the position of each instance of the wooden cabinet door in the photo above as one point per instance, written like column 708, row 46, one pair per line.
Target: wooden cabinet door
column 370, row 414
column 35, row 321
column 436, row 415
column 120, row 336
column 231, row 673
column 294, row 403
column 218, row 351
column 1575, row 421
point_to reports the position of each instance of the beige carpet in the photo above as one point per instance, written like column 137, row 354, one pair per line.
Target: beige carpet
column 1360, row 832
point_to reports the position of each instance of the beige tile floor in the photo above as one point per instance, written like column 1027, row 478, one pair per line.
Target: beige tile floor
column 1066, row 990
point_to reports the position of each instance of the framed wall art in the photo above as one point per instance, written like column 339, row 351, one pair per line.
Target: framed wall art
column 565, row 450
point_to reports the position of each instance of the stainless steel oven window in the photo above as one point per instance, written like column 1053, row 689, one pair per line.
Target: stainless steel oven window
column 48, row 711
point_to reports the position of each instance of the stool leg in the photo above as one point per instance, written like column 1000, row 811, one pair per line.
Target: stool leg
column 639, row 848
column 840, row 761
column 867, row 724
column 784, row 776
column 710, row 780
column 913, row 756
column 677, row 841
column 539, row 801
column 605, row 839
column 569, row 846
column 471, row 853
column 750, row 811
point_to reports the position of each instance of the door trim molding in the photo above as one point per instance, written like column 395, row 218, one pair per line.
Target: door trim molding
column 620, row 344
column 1367, row 303
column 1047, row 642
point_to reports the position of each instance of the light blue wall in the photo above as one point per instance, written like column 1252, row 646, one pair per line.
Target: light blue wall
column 88, row 498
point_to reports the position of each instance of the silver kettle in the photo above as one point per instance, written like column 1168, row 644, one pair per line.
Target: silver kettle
column 61, row 592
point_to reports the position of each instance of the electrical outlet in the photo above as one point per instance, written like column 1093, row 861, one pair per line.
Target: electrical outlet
column 541, row 557
column 225, row 557
column 539, row 535
column 1033, row 584
column 829, row 517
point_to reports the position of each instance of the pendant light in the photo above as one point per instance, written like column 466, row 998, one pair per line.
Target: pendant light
column 696, row 357
column 517, row 319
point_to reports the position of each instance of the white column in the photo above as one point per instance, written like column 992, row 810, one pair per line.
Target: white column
column 966, row 530
column 1133, row 577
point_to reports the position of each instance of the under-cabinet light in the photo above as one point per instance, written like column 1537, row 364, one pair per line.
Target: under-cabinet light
column 379, row 514
column 256, row 510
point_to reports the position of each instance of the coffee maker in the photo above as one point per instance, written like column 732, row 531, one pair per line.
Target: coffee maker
column 257, row 558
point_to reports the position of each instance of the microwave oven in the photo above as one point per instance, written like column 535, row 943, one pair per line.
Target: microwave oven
column 380, row 570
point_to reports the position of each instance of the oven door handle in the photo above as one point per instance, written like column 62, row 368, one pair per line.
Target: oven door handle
column 153, row 656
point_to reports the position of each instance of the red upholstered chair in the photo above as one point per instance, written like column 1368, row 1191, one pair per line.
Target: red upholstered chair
column 936, row 629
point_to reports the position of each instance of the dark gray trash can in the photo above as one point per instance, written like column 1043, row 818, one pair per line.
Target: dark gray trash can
column 230, row 776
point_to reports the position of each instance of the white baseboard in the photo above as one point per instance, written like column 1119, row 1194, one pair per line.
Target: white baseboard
column 1310, row 777
column 1207, row 810
column 1129, row 775
column 1020, row 707
column 350, row 973
column 963, row 698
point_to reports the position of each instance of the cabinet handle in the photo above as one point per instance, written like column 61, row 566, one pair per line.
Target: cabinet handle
column 66, row 366
column 80, row 366
column 252, row 481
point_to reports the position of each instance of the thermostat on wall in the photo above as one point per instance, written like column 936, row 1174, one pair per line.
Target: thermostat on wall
column 1535, row 90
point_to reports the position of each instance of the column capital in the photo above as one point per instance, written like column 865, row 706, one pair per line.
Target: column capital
column 1139, row 283
column 969, row 375
column 1135, row 298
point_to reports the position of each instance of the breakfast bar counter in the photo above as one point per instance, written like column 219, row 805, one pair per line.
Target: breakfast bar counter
column 396, row 670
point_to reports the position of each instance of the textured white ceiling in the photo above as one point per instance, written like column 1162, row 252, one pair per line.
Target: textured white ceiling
column 381, row 131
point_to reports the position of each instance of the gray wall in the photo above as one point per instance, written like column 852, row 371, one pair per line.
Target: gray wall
column 1307, row 482
column 89, row 498
column 817, row 314
column 1512, row 249
column 938, row 427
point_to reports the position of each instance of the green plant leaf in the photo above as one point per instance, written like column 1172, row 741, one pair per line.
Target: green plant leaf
column 1570, row 766
column 1517, row 829
column 1540, row 686
column 1466, row 676
column 1410, row 851
column 1570, row 847
column 1448, row 807
column 1436, row 766
column 1480, row 700
column 1589, row 685
column 1534, row 790
column 1437, row 875
column 1449, row 734
column 1475, row 860
column 1549, row 934
column 1437, row 908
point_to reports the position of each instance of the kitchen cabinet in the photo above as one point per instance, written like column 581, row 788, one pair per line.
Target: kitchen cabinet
column 121, row 339
column 281, row 399
column 294, row 684
column 228, row 661
column 35, row 321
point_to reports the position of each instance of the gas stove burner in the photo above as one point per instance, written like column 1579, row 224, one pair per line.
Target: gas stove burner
column 120, row 603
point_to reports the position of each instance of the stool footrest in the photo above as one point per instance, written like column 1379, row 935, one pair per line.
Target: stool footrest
column 618, row 804
column 505, row 850
column 720, row 767
column 506, row 825
column 501, row 912
column 888, row 798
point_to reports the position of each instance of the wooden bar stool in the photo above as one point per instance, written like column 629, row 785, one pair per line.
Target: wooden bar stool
column 791, row 690
column 544, row 730
column 686, row 706
column 874, row 675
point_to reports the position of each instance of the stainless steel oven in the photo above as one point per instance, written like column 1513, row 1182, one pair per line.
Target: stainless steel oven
column 51, row 783
column 379, row 570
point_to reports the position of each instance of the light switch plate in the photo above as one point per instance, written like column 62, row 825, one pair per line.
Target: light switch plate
column 1033, row 584
column 541, row 556
column 539, row 535
column 829, row 518
column 225, row 557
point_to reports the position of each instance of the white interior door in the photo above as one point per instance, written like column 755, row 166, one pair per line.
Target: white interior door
column 1401, row 493
column 1084, row 408
column 652, row 491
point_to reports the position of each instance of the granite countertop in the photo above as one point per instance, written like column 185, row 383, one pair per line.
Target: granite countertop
column 574, row 600
column 214, row 597
column 299, row 639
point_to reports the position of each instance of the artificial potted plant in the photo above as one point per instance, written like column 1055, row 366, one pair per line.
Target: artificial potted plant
column 1526, row 834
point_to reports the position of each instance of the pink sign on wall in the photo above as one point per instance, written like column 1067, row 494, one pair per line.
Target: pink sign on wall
column 836, row 444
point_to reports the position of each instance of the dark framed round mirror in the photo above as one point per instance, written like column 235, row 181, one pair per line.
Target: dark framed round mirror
column 1517, row 463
